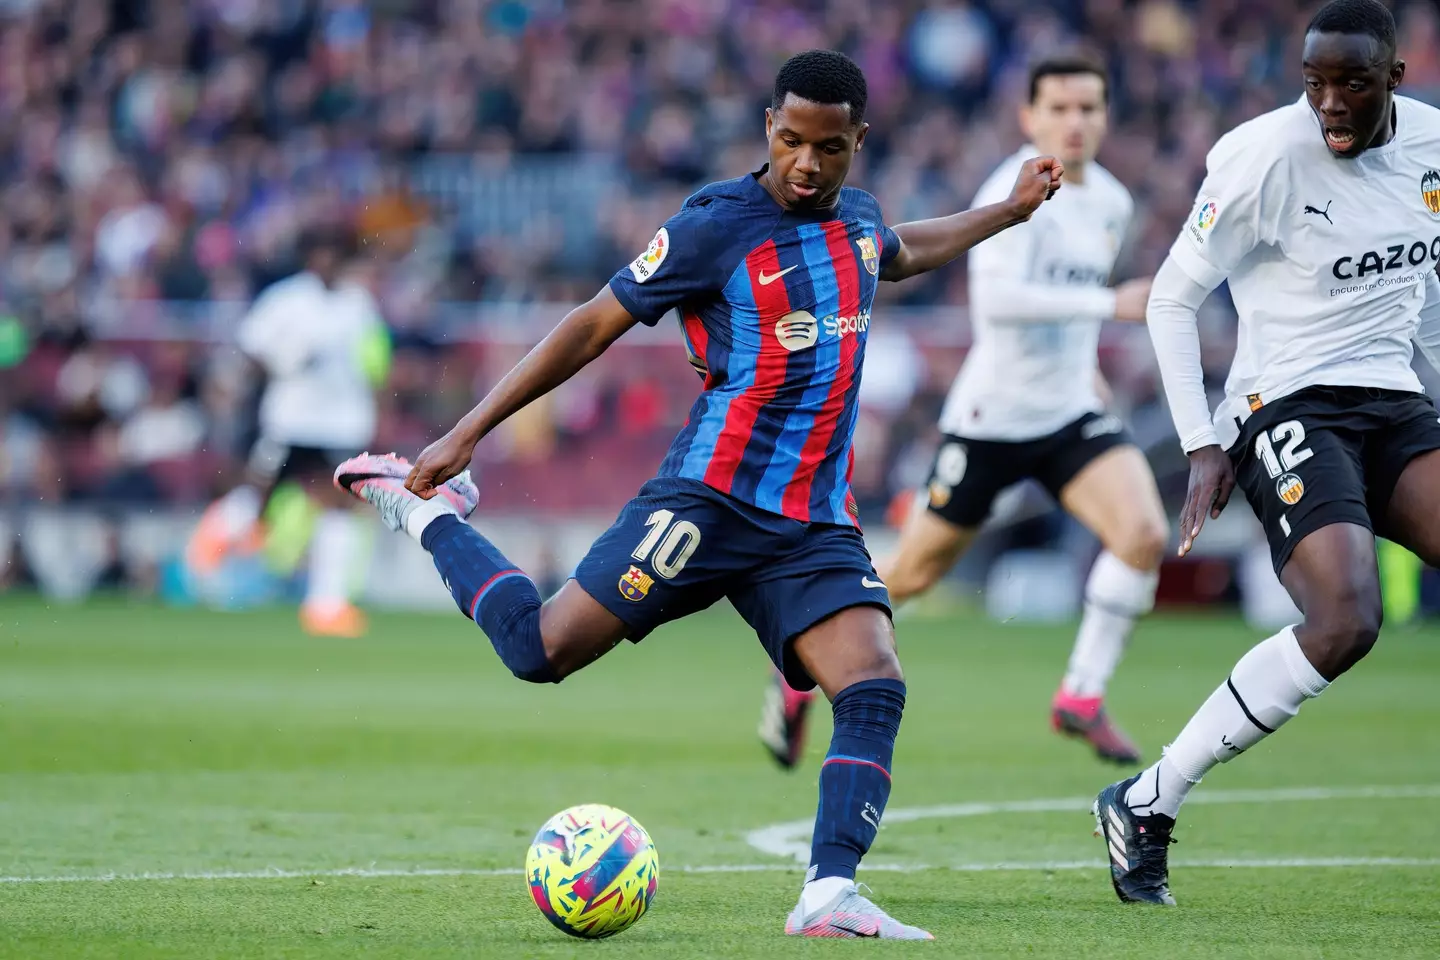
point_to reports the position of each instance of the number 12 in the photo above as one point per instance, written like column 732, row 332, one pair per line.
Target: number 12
column 1287, row 436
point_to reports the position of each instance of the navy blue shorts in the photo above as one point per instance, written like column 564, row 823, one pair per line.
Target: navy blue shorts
column 680, row 546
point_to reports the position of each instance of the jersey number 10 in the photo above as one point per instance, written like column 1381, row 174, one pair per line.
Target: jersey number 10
column 677, row 543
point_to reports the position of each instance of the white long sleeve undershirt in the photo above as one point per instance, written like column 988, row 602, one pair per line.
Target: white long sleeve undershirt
column 1013, row 300
column 1427, row 337
column 1171, row 318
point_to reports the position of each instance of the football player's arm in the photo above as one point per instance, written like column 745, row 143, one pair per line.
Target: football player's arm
column 1175, row 300
column 1002, row 289
column 584, row 334
column 678, row 265
column 924, row 245
column 1173, row 321
column 1238, row 210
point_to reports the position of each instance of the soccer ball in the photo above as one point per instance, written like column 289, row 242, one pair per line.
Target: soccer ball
column 593, row 870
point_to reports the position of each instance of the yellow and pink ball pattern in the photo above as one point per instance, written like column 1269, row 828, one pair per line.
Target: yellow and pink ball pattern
column 593, row 870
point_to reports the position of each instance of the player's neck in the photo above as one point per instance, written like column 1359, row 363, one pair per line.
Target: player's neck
column 766, row 180
column 1388, row 129
column 1076, row 174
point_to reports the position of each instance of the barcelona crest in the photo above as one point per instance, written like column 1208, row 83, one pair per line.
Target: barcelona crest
column 636, row 583
column 1430, row 190
column 869, row 255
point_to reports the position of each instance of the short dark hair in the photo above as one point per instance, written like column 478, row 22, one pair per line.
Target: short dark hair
column 1369, row 17
column 823, row 76
column 326, row 236
column 1070, row 63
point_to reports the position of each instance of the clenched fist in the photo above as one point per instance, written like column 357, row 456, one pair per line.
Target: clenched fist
column 1039, row 179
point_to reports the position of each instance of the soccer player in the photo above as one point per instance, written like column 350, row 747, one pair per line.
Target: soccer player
column 318, row 340
column 1026, row 406
column 773, row 275
column 1325, row 218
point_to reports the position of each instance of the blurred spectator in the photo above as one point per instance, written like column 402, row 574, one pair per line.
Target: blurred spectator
column 160, row 157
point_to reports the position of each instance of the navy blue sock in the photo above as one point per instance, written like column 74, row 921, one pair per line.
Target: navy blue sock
column 855, row 778
column 493, row 592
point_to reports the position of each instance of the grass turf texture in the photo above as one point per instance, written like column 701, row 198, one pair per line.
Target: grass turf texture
column 137, row 740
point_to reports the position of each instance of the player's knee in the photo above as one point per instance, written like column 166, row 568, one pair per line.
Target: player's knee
column 907, row 578
column 1142, row 543
column 881, row 664
column 1343, row 630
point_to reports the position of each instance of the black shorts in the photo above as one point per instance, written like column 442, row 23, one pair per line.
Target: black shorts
column 277, row 461
column 1329, row 455
column 969, row 474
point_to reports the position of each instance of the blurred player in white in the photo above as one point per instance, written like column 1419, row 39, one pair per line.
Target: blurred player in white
column 1027, row 405
column 1324, row 216
column 318, row 340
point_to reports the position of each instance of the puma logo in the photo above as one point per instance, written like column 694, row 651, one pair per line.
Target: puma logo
column 1321, row 213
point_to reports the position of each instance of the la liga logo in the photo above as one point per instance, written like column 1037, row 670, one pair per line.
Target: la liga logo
column 1205, row 216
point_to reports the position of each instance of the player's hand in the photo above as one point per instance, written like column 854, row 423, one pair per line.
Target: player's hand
column 443, row 459
column 1039, row 179
column 1212, row 479
column 1131, row 299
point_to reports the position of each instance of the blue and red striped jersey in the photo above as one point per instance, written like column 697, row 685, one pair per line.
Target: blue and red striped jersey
column 774, row 305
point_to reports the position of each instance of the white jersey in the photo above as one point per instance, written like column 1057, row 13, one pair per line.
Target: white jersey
column 310, row 339
column 1327, row 258
column 1038, row 295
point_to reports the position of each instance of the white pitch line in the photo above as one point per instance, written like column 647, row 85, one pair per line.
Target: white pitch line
column 792, row 839
column 785, row 840
column 1047, row 866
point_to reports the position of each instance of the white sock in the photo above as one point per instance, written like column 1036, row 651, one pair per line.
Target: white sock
column 238, row 510
column 1265, row 690
column 1160, row 789
column 332, row 553
column 1115, row 595
column 425, row 514
column 818, row 893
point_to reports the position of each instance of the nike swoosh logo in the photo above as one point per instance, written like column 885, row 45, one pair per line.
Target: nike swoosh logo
column 766, row 281
column 869, row 584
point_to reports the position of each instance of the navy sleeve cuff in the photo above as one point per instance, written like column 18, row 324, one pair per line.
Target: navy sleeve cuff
column 641, row 314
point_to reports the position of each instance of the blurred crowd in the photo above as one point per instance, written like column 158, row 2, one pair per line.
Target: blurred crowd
column 160, row 156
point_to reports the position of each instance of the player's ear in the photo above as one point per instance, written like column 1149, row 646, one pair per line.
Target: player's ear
column 860, row 137
column 1027, row 115
column 1397, row 74
column 769, row 122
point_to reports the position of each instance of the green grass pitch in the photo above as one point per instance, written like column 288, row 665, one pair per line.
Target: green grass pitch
column 136, row 740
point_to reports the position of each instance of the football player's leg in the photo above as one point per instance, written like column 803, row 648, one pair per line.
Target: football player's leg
column 825, row 621
column 784, row 719
column 1333, row 579
column 928, row 548
column 232, row 518
column 1115, row 497
column 1412, row 517
column 852, row 658
column 1403, row 483
column 1314, row 512
column 965, row 478
column 539, row 643
column 337, row 551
